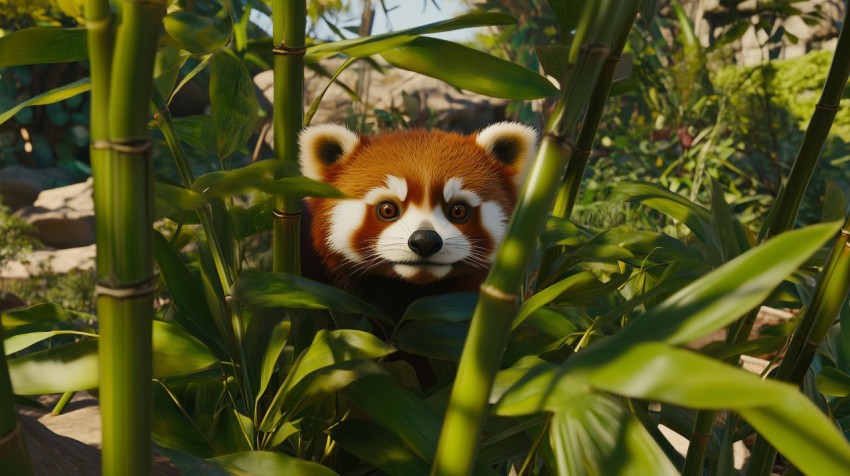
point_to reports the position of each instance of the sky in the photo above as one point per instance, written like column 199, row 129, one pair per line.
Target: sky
column 411, row 13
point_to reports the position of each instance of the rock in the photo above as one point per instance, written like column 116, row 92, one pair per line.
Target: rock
column 60, row 261
column 19, row 186
column 63, row 217
column 425, row 100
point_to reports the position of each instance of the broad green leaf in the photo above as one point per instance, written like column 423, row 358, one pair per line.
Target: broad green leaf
column 22, row 341
column 370, row 45
column 260, row 176
column 198, row 34
column 757, row 346
column 281, row 290
column 169, row 61
column 54, row 95
column 39, row 45
column 399, row 410
column 175, row 352
column 46, row 313
column 328, row 348
column 188, row 463
column 174, row 196
column 325, row 382
column 726, row 293
column 694, row 216
column 189, row 76
column 233, row 102
column 432, row 338
column 197, row 132
column 553, row 60
column 469, row 69
column 597, row 436
column 551, row 293
column 832, row 381
column 451, row 307
column 60, row 369
column 375, row 445
column 253, row 463
column 74, row 366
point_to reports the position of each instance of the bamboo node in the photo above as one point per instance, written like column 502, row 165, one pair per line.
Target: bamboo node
column 564, row 141
column 282, row 49
column 826, row 107
column 844, row 232
column 498, row 294
column 100, row 145
column 99, row 23
column 148, row 287
column 285, row 214
column 131, row 147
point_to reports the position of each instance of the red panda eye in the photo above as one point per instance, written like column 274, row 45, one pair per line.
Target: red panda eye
column 387, row 211
column 458, row 212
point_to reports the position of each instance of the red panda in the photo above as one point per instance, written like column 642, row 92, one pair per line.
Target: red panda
column 424, row 211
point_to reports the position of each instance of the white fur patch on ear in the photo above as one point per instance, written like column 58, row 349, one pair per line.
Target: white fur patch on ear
column 511, row 143
column 323, row 145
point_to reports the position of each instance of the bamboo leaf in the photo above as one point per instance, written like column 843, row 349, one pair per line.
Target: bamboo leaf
column 277, row 341
column 451, row 307
column 469, row 69
column 22, row 341
column 46, row 313
column 379, row 447
column 281, row 290
column 258, row 176
column 433, row 338
column 233, row 102
column 400, row 411
column 39, row 45
column 832, row 381
column 728, row 292
column 551, row 293
column 175, row 352
column 198, row 34
column 370, row 45
column 197, row 132
column 694, row 216
column 252, row 463
column 54, row 95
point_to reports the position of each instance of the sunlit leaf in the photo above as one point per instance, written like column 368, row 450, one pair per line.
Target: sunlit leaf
column 54, row 95
column 252, row 463
column 198, row 34
column 832, row 381
column 469, row 69
column 39, row 45
column 233, row 102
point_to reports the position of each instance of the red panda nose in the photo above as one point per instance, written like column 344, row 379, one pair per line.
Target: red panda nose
column 425, row 242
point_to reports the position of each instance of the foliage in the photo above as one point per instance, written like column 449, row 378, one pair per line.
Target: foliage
column 256, row 372
column 17, row 244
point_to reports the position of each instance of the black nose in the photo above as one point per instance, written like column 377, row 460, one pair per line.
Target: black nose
column 425, row 242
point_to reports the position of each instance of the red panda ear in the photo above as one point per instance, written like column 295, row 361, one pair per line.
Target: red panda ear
column 511, row 143
column 322, row 146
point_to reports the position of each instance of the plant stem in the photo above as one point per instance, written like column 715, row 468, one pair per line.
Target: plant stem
column 830, row 295
column 289, row 22
column 123, row 172
column 496, row 309
column 787, row 204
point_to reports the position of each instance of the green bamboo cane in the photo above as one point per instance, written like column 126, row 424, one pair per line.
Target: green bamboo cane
column 289, row 21
column 565, row 201
column 124, row 217
column 14, row 456
column 497, row 304
column 788, row 203
column 829, row 297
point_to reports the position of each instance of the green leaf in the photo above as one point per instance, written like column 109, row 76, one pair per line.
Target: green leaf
column 377, row 446
column 47, row 313
column 832, row 381
column 728, row 292
column 259, row 176
column 451, row 307
column 281, row 290
column 22, row 341
column 597, row 436
column 469, row 69
column 197, row 132
column 175, row 352
column 277, row 341
column 325, row 382
column 694, row 216
column 551, row 293
column 432, row 338
column 328, row 348
column 253, row 463
column 370, row 45
column 54, row 95
column 233, row 102
column 198, row 34
column 169, row 196
column 39, row 45
column 399, row 410
column 647, row 10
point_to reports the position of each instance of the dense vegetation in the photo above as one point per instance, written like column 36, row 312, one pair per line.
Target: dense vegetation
column 646, row 225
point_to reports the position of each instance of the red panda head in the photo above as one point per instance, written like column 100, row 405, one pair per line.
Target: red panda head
column 422, row 207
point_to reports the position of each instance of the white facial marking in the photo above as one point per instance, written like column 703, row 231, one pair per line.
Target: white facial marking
column 494, row 220
column 453, row 191
column 407, row 271
column 395, row 187
column 346, row 217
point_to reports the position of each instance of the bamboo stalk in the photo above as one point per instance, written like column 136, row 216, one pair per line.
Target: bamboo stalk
column 497, row 304
column 289, row 23
column 14, row 456
column 123, row 172
column 788, row 203
column 830, row 295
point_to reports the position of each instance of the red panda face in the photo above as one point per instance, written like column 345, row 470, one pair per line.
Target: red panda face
column 422, row 206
